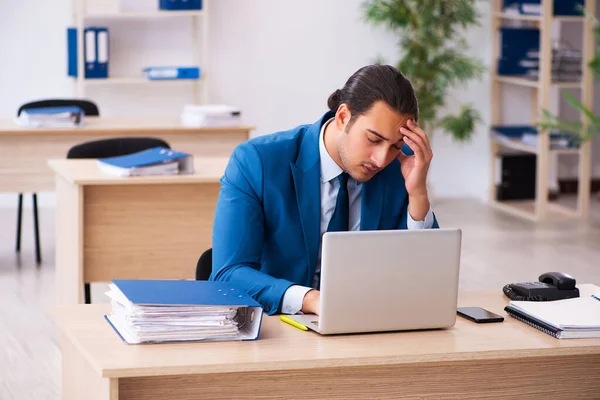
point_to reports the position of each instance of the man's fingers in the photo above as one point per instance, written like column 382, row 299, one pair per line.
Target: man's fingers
column 414, row 128
column 416, row 147
column 418, row 141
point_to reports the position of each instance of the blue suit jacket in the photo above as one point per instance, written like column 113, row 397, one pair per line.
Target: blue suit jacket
column 267, row 222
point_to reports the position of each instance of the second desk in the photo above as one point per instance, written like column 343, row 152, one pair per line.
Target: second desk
column 145, row 227
column 25, row 151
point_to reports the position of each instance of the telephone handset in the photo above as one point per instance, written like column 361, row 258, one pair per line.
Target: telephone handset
column 551, row 286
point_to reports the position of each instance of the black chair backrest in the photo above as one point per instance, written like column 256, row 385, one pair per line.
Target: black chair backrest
column 114, row 147
column 204, row 266
column 88, row 107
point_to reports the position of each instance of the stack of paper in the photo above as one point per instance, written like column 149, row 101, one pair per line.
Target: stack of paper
column 155, row 161
column 155, row 311
column 563, row 319
column 210, row 116
column 54, row 117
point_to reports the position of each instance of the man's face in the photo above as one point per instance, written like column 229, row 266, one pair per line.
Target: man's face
column 372, row 141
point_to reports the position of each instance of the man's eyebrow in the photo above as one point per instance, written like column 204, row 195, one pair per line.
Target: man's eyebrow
column 383, row 137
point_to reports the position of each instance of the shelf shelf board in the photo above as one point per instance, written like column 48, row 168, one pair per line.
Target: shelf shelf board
column 516, row 144
column 518, row 17
column 538, row 18
column 521, row 81
column 135, row 81
column 567, row 85
column 569, row 18
column 564, row 151
column 145, row 14
column 517, row 80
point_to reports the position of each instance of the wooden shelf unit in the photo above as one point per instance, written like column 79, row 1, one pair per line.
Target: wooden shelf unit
column 81, row 18
column 541, row 209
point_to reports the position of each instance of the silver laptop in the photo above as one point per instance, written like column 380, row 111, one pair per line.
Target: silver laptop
column 377, row 281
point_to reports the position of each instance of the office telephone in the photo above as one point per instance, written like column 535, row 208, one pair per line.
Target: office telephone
column 551, row 286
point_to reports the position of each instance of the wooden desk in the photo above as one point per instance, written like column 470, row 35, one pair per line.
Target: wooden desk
column 470, row 361
column 24, row 152
column 108, row 227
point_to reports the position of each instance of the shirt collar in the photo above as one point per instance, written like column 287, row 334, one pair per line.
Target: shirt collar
column 329, row 169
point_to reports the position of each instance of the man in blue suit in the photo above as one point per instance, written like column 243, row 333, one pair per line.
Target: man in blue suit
column 281, row 192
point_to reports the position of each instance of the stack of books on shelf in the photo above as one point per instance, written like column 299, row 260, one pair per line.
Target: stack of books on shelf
column 566, row 65
column 161, row 311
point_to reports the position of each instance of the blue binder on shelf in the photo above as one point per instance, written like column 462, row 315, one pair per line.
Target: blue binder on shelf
column 180, row 4
column 96, row 50
column 166, row 72
column 519, row 48
column 531, row 7
column 161, row 311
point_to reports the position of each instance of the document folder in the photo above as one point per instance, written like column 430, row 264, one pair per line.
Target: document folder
column 95, row 52
column 160, row 311
column 154, row 161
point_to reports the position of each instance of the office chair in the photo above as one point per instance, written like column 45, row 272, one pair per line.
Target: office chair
column 112, row 147
column 204, row 266
column 90, row 109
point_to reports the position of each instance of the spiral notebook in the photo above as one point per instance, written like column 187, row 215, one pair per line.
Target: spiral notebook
column 576, row 318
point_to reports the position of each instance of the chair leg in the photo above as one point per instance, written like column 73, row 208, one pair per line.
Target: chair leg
column 38, row 255
column 87, row 294
column 19, row 218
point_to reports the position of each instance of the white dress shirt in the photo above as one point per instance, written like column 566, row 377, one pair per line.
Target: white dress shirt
column 294, row 295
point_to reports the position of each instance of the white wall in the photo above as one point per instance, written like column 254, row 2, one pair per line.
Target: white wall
column 278, row 60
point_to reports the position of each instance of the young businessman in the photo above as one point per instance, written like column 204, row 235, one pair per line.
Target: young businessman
column 281, row 192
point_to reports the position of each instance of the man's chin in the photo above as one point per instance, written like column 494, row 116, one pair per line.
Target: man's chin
column 363, row 175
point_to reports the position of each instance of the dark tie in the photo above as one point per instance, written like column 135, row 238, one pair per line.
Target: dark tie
column 339, row 219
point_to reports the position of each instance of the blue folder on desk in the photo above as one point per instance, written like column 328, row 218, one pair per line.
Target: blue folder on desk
column 159, row 311
column 154, row 161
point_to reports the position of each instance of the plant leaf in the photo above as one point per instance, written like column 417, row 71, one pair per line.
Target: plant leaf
column 461, row 126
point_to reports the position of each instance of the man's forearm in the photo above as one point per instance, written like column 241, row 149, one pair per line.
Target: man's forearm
column 418, row 206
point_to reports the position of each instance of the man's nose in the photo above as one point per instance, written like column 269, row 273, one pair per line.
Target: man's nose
column 378, row 157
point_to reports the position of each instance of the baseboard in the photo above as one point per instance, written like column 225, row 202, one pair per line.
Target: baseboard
column 570, row 186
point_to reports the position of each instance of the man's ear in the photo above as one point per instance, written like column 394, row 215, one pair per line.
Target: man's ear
column 342, row 116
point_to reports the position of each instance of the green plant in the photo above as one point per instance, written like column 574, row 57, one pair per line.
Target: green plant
column 583, row 132
column 432, row 55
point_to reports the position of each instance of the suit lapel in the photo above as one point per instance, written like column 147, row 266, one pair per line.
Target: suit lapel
column 372, row 203
column 308, row 196
column 306, row 173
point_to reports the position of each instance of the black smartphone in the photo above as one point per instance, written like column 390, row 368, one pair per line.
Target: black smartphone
column 479, row 315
